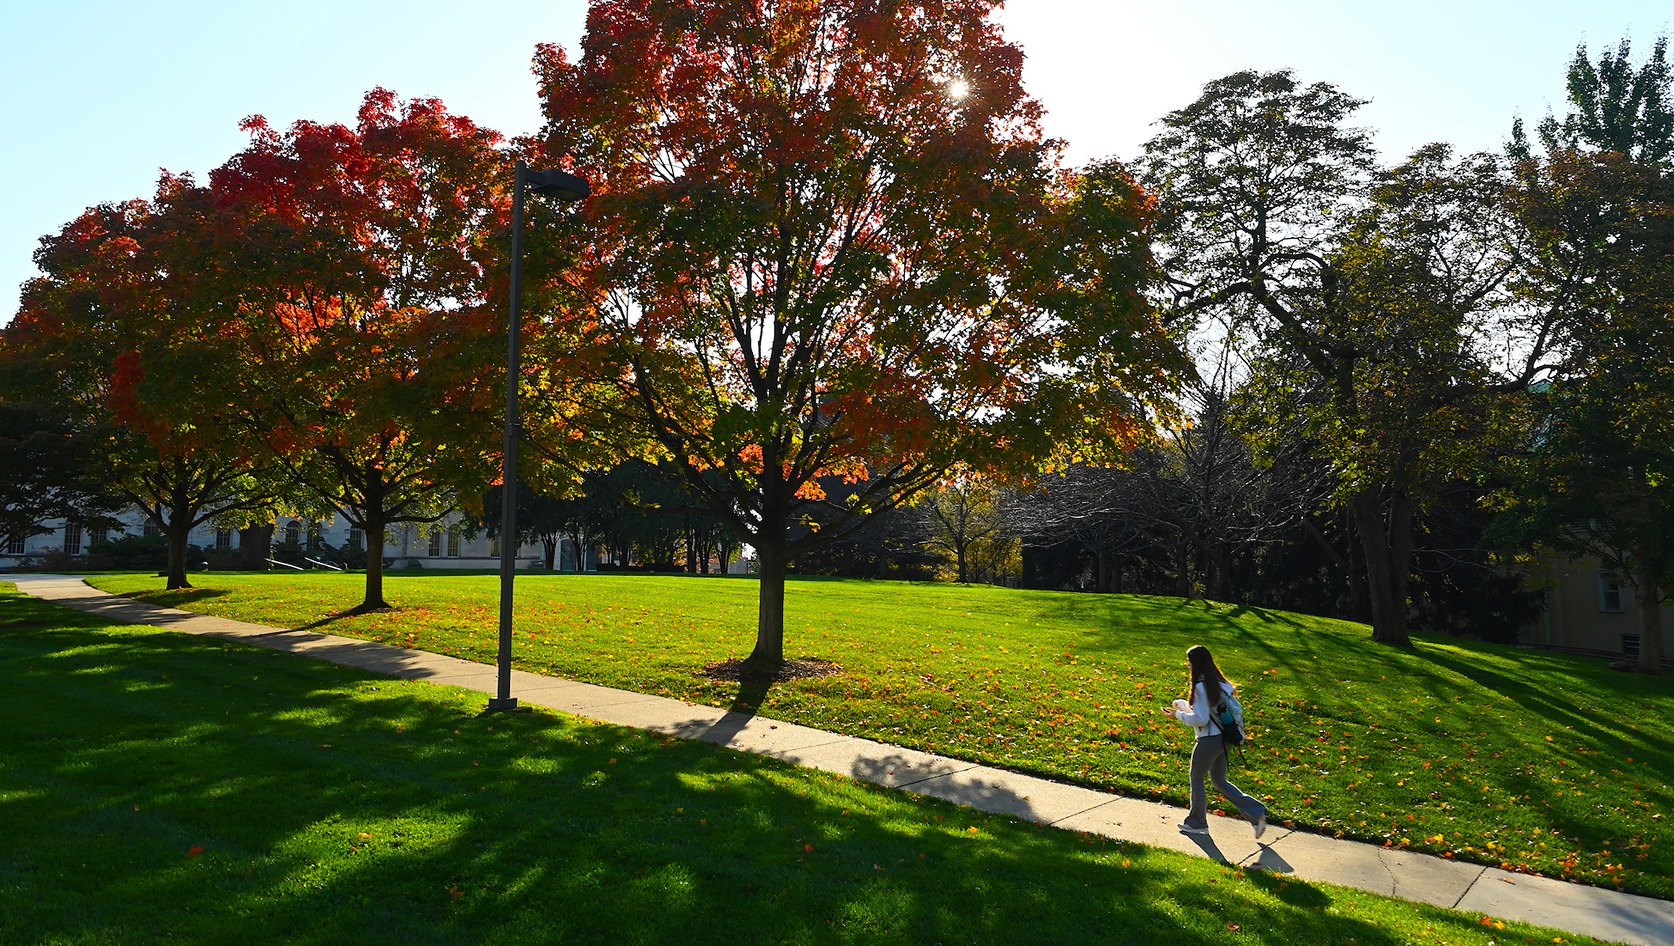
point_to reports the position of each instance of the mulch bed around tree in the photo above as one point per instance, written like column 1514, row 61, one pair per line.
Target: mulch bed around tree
column 733, row 670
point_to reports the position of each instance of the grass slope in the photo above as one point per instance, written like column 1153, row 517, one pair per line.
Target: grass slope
column 157, row 787
column 1523, row 759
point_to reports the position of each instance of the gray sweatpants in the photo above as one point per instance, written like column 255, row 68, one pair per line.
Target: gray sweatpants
column 1209, row 759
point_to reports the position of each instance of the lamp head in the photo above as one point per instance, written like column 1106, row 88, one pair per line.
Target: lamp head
column 555, row 183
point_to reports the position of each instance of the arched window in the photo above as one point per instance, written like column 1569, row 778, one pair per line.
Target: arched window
column 293, row 533
column 453, row 542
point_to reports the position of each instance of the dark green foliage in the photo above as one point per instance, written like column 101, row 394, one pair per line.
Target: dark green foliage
column 892, row 544
column 1613, row 108
column 1597, row 213
column 131, row 552
column 49, row 469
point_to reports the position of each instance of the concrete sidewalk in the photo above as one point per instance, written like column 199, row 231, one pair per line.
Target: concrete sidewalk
column 1589, row 911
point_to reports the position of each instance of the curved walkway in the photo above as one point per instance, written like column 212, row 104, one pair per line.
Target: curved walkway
column 1589, row 911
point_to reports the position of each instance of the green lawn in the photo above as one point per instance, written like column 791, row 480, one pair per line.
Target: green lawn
column 1524, row 759
column 159, row 787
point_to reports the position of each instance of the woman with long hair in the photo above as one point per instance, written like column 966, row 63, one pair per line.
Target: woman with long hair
column 1207, row 691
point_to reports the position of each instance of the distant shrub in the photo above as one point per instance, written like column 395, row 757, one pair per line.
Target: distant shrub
column 130, row 553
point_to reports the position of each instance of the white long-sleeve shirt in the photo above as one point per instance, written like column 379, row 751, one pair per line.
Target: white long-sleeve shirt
column 1199, row 714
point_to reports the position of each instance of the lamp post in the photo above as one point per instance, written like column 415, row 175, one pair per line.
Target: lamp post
column 566, row 187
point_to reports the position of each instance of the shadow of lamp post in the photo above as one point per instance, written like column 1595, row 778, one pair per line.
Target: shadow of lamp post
column 569, row 188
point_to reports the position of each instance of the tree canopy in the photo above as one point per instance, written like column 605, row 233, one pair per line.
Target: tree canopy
column 355, row 271
column 829, row 240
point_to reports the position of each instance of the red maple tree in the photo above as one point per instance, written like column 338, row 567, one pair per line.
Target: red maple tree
column 356, row 266
column 104, row 332
column 831, row 257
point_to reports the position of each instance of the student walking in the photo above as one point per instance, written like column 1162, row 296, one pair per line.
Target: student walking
column 1205, row 694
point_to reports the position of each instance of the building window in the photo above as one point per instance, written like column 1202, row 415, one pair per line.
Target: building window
column 494, row 547
column 435, row 543
column 357, row 538
column 1609, row 592
column 15, row 546
column 314, row 536
column 223, row 539
column 98, row 534
column 151, row 530
column 453, row 542
column 72, row 538
column 293, row 533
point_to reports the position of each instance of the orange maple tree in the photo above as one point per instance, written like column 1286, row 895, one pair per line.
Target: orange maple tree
column 830, row 256
column 355, row 266
column 104, row 332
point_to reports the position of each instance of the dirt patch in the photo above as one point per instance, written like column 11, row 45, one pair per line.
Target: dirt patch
column 800, row 669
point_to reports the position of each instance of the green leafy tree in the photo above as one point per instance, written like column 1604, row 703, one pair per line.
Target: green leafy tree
column 1614, row 107
column 829, row 240
column 48, row 470
column 540, row 517
column 1597, row 208
column 965, row 522
column 1369, row 296
column 1597, row 476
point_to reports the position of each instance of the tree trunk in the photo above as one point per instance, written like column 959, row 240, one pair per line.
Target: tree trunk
column 769, row 654
column 1648, row 593
column 255, row 544
column 1182, row 566
column 177, row 532
column 1220, row 573
column 1388, row 548
column 1359, row 596
column 549, row 546
column 374, row 599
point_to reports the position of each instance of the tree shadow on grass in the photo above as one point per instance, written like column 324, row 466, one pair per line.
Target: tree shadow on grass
column 202, row 790
column 178, row 596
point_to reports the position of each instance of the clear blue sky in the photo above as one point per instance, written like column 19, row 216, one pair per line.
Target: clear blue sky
column 97, row 95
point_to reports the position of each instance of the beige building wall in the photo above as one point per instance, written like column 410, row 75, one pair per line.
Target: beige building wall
column 1588, row 609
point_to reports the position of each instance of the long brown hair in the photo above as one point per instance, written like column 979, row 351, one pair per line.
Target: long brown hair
column 1204, row 671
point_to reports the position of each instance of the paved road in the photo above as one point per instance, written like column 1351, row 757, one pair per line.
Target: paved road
column 1590, row 911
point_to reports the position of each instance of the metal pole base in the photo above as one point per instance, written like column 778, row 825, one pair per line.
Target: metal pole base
column 507, row 705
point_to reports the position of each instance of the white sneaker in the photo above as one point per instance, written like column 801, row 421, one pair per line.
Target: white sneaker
column 1260, row 825
column 1191, row 829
